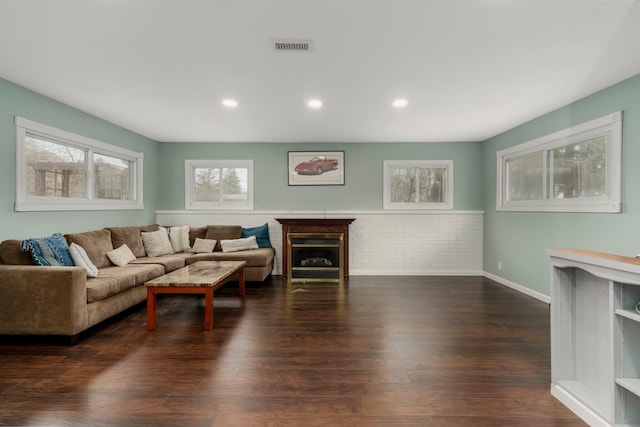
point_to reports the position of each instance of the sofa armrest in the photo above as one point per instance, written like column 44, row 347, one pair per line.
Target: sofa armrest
column 36, row 300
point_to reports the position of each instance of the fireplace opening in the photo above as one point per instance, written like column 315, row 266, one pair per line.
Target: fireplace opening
column 315, row 256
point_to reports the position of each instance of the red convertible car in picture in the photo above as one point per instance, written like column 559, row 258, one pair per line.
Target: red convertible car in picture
column 316, row 166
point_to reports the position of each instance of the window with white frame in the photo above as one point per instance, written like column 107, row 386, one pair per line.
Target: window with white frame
column 418, row 184
column 574, row 170
column 219, row 184
column 58, row 170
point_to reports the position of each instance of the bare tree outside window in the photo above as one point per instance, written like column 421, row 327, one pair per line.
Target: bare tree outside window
column 574, row 171
column 232, row 190
column 57, row 170
column 219, row 184
column 431, row 185
column 111, row 177
column 417, row 184
column 525, row 177
column 403, row 185
column 54, row 170
column 579, row 170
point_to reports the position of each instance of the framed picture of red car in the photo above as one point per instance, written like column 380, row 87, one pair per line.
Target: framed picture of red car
column 316, row 167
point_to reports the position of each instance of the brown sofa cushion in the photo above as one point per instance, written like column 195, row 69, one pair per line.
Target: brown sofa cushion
column 150, row 228
column 130, row 236
column 254, row 258
column 110, row 281
column 115, row 280
column 168, row 262
column 197, row 232
column 223, row 232
column 11, row 253
column 96, row 243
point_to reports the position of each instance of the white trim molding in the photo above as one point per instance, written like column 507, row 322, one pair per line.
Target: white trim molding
column 608, row 127
column 515, row 286
column 447, row 188
column 26, row 128
column 192, row 203
column 468, row 273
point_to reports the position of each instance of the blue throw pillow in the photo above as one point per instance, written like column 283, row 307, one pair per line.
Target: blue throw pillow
column 52, row 250
column 261, row 233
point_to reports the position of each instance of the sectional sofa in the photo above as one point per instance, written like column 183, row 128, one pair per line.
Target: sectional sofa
column 64, row 301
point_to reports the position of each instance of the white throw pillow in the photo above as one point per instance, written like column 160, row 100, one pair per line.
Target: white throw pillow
column 179, row 237
column 236, row 245
column 156, row 243
column 121, row 256
column 81, row 259
column 203, row 245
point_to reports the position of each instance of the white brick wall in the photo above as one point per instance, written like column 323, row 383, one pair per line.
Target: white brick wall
column 380, row 242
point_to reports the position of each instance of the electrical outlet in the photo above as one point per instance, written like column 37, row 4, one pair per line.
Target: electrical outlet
column 499, row 265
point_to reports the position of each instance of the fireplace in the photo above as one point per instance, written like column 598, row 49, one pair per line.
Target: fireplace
column 315, row 256
column 315, row 249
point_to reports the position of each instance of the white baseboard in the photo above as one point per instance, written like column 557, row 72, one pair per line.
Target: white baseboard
column 315, row 213
column 530, row 292
column 363, row 272
column 578, row 408
column 356, row 272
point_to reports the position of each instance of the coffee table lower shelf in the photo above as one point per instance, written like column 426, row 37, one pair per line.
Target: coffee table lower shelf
column 203, row 277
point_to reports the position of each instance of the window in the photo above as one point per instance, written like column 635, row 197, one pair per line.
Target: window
column 574, row 170
column 219, row 184
column 410, row 184
column 58, row 170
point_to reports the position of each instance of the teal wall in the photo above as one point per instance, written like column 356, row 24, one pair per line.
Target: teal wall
column 363, row 173
column 18, row 101
column 520, row 239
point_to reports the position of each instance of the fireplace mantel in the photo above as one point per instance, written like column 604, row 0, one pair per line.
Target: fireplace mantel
column 310, row 226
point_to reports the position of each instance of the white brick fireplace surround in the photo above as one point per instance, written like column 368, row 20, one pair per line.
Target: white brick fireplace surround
column 380, row 242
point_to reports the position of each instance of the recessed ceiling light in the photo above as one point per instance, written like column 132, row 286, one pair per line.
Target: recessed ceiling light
column 230, row 103
column 315, row 104
column 400, row 103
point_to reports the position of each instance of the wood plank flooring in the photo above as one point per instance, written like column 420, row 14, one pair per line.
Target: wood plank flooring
column 376, row 351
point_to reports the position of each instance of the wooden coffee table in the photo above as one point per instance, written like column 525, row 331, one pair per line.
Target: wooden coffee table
column 202, row 277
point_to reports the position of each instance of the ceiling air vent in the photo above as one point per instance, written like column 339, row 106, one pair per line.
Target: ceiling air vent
column 292, row 45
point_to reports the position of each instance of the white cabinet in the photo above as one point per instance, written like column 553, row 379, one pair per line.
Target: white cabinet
column 595, row 335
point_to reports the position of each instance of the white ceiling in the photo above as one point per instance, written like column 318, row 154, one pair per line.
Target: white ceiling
column 470, row 69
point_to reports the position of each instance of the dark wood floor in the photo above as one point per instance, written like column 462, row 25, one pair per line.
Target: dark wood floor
column 378, row 351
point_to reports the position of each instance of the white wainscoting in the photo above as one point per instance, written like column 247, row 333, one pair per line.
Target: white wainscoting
column 380, row 242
